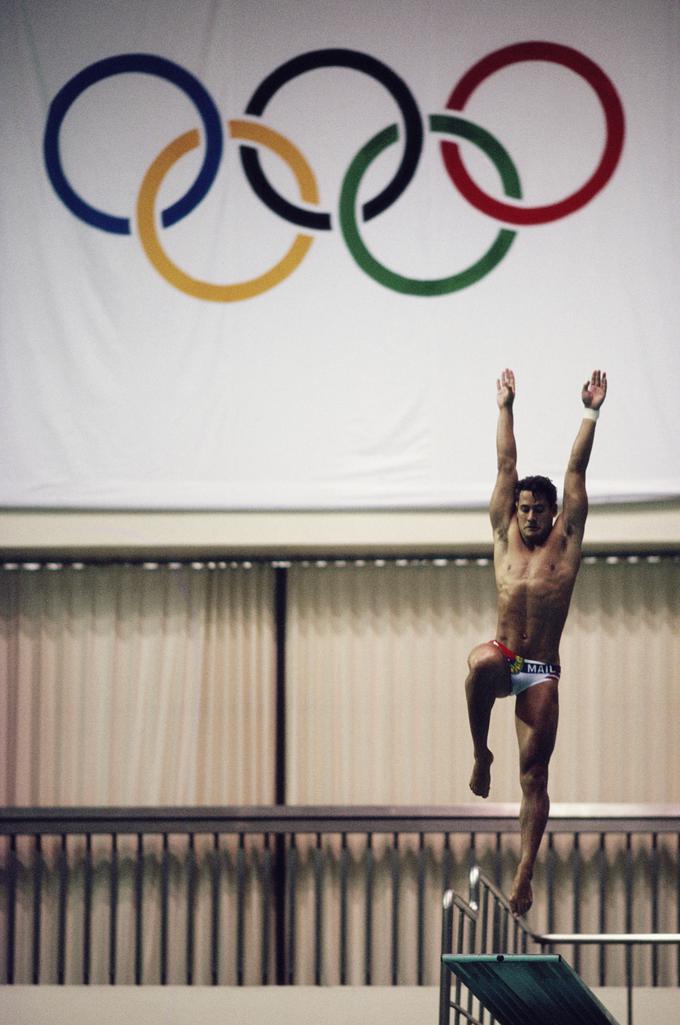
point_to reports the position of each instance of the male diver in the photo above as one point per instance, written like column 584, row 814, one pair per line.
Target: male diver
column 537, row 554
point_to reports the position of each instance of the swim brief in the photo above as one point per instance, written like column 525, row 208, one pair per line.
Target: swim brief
column 526, row 672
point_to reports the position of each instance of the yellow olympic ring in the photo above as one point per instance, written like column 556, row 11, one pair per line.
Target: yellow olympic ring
column 146, row 220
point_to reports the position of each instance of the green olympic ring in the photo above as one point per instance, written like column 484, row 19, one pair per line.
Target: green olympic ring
column 434, row 286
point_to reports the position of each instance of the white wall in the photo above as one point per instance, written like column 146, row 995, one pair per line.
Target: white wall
column 632, row 527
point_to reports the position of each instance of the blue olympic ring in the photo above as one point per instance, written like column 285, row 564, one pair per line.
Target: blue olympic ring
column 151, row 65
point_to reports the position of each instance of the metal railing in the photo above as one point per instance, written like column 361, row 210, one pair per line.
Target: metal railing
column 285, row 895
column 486, row 925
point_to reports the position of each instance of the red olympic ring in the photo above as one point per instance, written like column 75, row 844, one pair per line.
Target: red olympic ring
column 613, row 112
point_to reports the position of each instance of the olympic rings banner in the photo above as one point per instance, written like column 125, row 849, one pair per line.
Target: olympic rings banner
column 274, row 255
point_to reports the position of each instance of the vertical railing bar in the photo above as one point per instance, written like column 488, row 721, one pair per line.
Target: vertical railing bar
column 460, row 937
column 629, row 920
column 191, row 883
column 496, row 940
column 446, row 863
column 551, row 884
column 37, row 906
column 266, row 908
column 279, row 884
column 420, row 927
column 215, row 865
column 472, row 927
column 165, row 893
column 394, row 859
column 240, row 911
column 280, row 770
column 576, row 890
column 484, row 908
column 444, row 973
column 292, row 907
column 113, row 911
column 343, row 910
column 460, row 932
column 677, row 907
column 61, row 913
column 496, row 928
column 318, row 910
column 472, row 935
column 655, row 907
column 498, row 861
column 368, row 958
column 87, row 912
column 602, row 916
column 12, row 870
column 139, row 914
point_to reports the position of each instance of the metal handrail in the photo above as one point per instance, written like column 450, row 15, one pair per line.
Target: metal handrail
column 479, row 886
column 462, row 818
column 479, row 878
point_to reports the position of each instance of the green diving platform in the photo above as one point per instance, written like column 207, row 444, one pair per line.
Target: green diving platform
column 524, row 989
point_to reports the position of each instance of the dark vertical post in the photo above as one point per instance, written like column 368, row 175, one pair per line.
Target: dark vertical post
column 344, row 857
column 37, row 902
column 139, row 895
column 266, row 908
column 215, row 911
column 446, row 863
column 499, row 861
column 318, row 911
column 191, row 894
column 629, row 923
column 551, row 883
column 444, row 973
column 655, row 907
column 394, row 861
column 420, row 974
column 602, row 866
column 165, row 871
column 61, row 915
column 87, row 923
column 677, row 909
column 368, row 960
column 279, row 874
column 113, row 910
column 11, row 907
column 292, row 909
column 241, row 910
column 576, row 887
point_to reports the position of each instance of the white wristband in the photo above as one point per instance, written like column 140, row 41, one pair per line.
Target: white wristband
column 591, row 414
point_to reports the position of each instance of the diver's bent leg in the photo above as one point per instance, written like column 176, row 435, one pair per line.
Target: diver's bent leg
column 488, row 678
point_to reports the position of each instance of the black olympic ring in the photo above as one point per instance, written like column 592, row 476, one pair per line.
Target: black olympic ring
column 358, row 62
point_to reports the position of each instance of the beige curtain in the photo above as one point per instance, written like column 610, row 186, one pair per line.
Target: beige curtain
column 133, row 685
column 125, row 685
column 377, row 662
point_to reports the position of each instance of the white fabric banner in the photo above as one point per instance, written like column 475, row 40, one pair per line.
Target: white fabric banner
column 275, row 254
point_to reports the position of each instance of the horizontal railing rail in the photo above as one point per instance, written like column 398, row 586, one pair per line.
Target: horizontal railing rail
column 316, row 895
column 465, row 818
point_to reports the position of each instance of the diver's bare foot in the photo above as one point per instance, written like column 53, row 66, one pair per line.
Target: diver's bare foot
column 522, row 896
column 480, row 780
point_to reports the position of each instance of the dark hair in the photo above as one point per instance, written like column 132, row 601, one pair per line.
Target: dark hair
column 537, row 486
